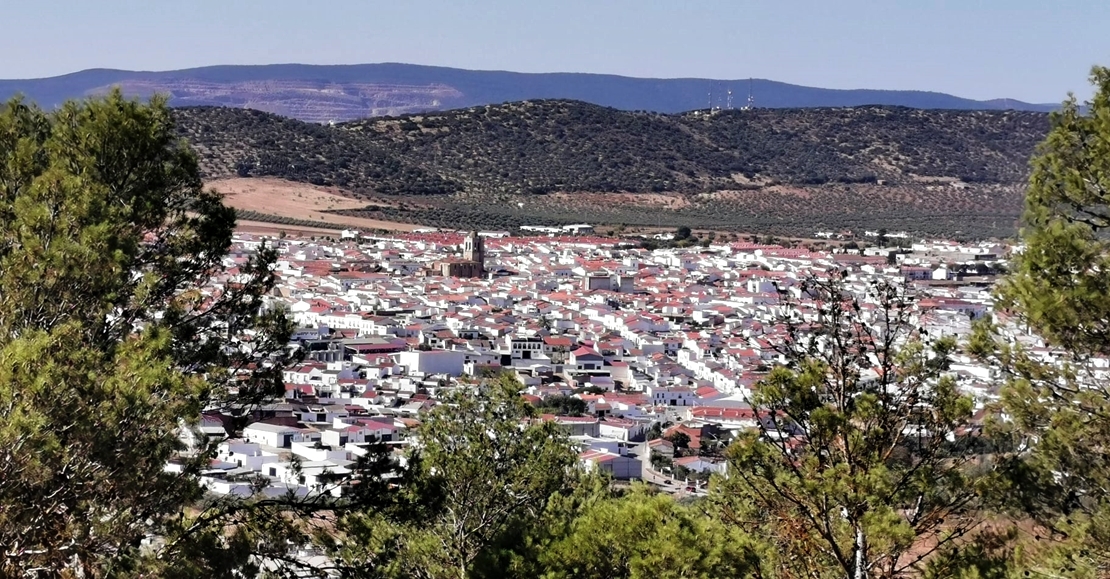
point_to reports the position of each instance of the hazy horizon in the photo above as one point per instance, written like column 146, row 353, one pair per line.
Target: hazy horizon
column 1018, row 49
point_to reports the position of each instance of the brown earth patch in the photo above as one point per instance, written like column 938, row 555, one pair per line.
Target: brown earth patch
column 298, row 201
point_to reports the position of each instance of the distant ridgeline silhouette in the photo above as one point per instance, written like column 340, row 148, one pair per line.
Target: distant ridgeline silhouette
column 323, row 93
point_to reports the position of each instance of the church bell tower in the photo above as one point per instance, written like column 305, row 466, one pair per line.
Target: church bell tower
column 474, row 250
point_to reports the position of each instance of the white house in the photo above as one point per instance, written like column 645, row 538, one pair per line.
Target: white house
column 312, row 475
column 586, row 359
column 342, row 434
column 671, row 395
column 621, row 429
column 272, row 434
column 197, row 435
column 318, row 453
column 525, row 348
column 245, row 454
column 619, row 467
column 699, row 464
column 450, row 362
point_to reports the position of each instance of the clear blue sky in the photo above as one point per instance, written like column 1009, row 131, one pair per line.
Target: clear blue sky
column 1033, row 50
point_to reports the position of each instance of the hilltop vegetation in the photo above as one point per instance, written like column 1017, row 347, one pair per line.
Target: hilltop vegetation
column 247, row 142
column 728, row 167
column 549, row 146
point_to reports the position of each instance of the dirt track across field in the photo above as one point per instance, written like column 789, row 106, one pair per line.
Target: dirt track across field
column 297, row 201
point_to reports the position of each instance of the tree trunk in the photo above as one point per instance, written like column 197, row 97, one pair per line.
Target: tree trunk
column 861, row 544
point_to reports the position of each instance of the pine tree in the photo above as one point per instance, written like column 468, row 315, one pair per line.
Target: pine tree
column 642, row 535
column 1059, row 466
column 858, row 467
column 483, row 467
column 119, row 324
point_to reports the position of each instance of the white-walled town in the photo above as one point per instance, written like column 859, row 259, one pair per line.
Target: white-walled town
column 658, row 345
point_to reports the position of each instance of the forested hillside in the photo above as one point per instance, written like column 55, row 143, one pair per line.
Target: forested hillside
column 899, row 157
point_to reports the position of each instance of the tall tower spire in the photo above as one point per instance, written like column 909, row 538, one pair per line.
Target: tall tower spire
column 474, row 250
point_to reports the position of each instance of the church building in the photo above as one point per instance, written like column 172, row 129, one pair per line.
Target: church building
column 473, row 259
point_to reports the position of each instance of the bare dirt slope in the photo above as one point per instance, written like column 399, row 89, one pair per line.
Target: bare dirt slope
column 298, row 201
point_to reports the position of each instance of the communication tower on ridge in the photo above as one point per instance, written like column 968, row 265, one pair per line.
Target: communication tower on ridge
column 715, row 105
column 730, row 99
column 751, row 98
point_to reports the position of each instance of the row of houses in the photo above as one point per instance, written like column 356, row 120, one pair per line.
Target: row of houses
column 642, row 338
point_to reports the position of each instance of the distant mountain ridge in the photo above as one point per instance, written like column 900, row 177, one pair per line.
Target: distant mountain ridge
column 322, row 93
